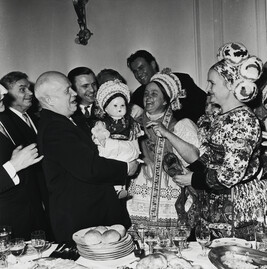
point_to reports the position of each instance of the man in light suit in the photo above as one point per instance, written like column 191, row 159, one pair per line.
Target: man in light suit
column 80, row 183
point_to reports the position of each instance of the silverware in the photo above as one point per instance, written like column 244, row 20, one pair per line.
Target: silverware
column 56, row 253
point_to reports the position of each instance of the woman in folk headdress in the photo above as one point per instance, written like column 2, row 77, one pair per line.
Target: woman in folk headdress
column 156, row 200
column 228, row 173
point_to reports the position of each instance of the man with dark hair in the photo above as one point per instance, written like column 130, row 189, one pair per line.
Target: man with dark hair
column 18, row 101
column 84, row 83
column 21, row 202
column 144, row 66
column 109, row 74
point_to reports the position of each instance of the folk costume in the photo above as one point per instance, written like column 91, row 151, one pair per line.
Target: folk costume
column 228, row 172
column 116, row 138
column 156, row 199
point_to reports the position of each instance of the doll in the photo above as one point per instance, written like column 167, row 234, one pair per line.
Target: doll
column 116, row 133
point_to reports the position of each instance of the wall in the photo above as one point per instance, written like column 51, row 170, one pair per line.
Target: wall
column 38, row 35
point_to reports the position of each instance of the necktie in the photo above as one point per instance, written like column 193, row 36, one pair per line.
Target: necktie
column 87, row 112
column 26, row 118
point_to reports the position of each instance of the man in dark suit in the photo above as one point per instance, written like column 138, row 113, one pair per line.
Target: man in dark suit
column 80, row 183
column 19, row 99
column 20, row 203
column 144, row 65
column 84, row 83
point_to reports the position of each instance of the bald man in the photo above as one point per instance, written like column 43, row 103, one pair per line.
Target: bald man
column 80, row 183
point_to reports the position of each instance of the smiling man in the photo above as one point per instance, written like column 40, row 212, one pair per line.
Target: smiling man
column 83, row 81
column 144, row 65
column 19, row 100
column 80, row 183
column 21, row 202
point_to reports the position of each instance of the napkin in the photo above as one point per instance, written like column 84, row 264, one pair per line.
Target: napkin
column 109, row 264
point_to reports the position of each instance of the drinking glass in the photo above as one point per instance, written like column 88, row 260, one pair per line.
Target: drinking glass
column 38, row 241
column 4, row 251
column 163, row 238
column 5, row 232
column 141, row 233
column 202, row 233
column 17, row 246
column 178, row 239
column 150, row 237
column 184, row 225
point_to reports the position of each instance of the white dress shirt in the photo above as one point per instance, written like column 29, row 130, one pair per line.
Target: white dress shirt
column 18, row 113
column 82, row 107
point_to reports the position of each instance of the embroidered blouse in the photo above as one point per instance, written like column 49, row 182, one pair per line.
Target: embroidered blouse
column 231, row 143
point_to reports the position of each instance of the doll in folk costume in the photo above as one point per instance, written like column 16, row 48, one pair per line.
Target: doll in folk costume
column 116, row 133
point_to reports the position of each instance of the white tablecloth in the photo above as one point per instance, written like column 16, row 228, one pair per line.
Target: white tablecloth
column 24, row 259
column 192, row 253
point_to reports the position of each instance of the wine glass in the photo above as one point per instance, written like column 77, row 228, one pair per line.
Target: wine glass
column 187, row 228
column 202, row 233
column 4, row 251
column 141, row 233
column 5, row 232
column 163, row 237
column 38, row 241
column 150, row 237
column 17, row 246
column 178, row 239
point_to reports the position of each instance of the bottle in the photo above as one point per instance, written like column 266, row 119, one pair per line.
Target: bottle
column 260, row 232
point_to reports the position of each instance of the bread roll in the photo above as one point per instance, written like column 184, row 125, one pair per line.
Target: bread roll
column 101, row 229
column 153, row 261
column 92, row 237
column 110, row 236
column 119, row 228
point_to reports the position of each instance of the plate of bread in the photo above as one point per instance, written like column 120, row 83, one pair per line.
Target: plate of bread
column 104, row 242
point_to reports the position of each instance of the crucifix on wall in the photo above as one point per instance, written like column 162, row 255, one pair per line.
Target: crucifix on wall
column 84, row 34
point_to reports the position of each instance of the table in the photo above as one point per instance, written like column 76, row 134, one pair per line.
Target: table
column 192, row 253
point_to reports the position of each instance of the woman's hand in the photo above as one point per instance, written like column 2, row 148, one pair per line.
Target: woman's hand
column 136, row 111
column 159, row 129
column 264, row 136
column 183, row 180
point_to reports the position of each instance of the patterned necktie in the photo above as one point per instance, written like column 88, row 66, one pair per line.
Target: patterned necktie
column 26, row 118
column 87, row 112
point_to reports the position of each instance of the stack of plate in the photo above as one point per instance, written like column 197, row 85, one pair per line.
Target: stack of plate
column 104, row 251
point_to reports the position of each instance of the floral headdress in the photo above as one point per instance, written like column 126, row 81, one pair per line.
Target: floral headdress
column 239, row 69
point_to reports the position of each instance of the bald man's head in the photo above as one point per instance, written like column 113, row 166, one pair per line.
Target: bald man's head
column 53, row 91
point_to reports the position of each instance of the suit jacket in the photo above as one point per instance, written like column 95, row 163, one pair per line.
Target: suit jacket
column 20, row 205
column 80, row 183
column 18, row 129
column 82, row 121
column 193, row 106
